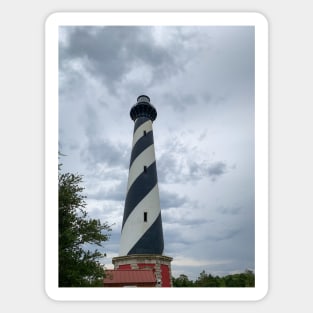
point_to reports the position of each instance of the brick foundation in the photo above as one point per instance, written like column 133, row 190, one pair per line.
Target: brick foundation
column 160, row 264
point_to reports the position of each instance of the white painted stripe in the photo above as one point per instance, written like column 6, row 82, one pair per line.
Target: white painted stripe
column 147, row 126
column 135, row 227
column 147, row 157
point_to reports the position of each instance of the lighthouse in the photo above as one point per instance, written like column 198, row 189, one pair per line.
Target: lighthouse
column 142, row 242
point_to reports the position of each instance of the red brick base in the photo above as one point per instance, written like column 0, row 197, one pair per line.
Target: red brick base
column 160, row 264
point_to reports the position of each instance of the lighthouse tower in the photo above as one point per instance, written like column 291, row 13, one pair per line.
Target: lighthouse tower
column 142, row 244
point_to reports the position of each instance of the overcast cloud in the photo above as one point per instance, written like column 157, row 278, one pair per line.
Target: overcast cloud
column 201, row 81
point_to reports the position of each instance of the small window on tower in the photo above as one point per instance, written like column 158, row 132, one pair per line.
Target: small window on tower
column 144, row 133
column 145, row 216
column 145, row 169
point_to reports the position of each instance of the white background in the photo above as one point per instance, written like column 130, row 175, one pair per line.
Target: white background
column 22, row 154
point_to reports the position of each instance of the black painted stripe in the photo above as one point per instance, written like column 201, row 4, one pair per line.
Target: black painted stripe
column 152, row 240
column 142, row 144
column 143, row 184
column 139, row 121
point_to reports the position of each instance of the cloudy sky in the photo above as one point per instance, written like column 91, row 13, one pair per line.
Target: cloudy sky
column 201, row 82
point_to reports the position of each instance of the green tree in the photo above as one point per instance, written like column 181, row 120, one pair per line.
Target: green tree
column 79, row 264
column 182, row 281
column 245, row 279
column 205, row 280
column 249, row 278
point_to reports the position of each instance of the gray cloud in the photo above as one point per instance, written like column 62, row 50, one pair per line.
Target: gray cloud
column 112, row 52
column 171, row 199
column 185, row 220
column 106, row 152
column 179, row 168
column 231, row 210
column 216, row 169
column 115, row 193
column 224, row 234
column 179, row 101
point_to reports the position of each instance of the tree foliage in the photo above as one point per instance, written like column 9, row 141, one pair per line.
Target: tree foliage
column 78, row 261
column 182, row 281
column 246, row 279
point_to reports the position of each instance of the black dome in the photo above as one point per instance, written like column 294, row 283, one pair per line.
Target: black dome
column 143, row 108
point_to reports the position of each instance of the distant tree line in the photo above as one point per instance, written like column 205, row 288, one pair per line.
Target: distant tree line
column 245, row 279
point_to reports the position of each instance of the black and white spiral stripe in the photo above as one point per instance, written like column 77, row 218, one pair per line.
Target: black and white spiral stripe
column 142, row 224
